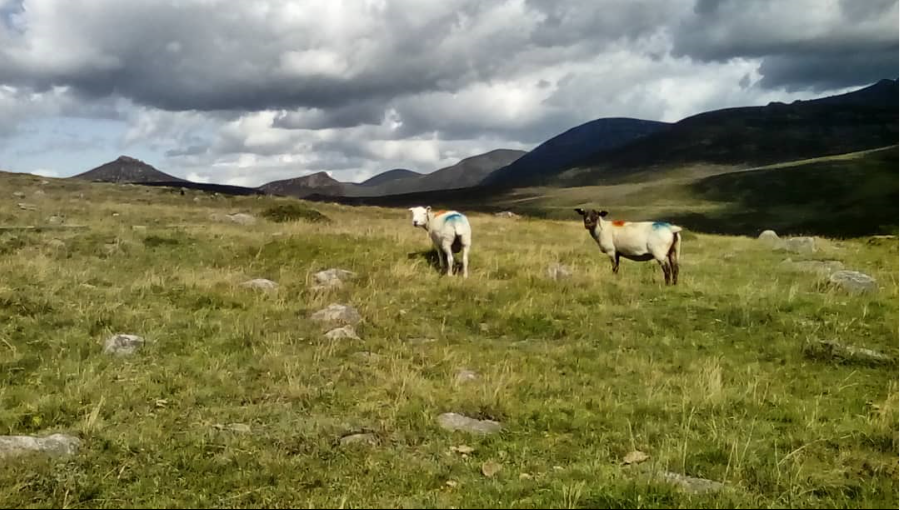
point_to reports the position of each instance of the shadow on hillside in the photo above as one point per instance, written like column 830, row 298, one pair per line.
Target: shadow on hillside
column 431, row 257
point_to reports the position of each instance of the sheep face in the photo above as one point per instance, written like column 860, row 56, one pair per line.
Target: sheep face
column 591, row 218
column 420, row 216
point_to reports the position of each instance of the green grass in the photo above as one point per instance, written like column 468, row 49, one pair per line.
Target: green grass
column 709, row 378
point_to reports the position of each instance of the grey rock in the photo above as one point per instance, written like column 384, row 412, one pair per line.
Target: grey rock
column 800, row 245
column 422, row 341
column 829, row 350
column 123, row 345
column 352, row 439
column 19, row 194
column 56, row 220
column 456, row 422
column 507, row 214
column 689, row 483
column 853, row 281
column 27, row 207
column 768, row 236
column 40, row 193
column 464, row 375
column 332, row 279
column 559, row 272
column 338, row 313
column 344, row 333
column 260, row 284
column 824, row 267
column 55, row 445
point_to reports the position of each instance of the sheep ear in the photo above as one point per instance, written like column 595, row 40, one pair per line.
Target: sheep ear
column 603, row 214
column 428, row 209
column 580, row 211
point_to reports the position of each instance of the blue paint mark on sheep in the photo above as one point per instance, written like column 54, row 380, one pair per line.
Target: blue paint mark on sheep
column 660, row 224
column 453, row 217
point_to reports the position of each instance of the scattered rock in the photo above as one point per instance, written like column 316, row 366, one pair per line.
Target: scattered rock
column 196, row 199
column 814, row 266
column 27, row 207
column 853, row 281
column 558, row 272
column 464, row 375
column 260, row 284
column 826, row 350
column 769, row 236
column 421, row 341
column 139, row 228
column 238, row 428
column 115, row 215
column 490, row 469
column 344, row 333
column 635, row 457
column 123, row 345
column 507, row 214
column 452, row 483
column 54, row 445
column 462, row 449
column 352, row 439
column 800, row 245
column 56, row 220
column 338, row 313
column 689, row 483
column 525, row 476
column 456, row 422
column 40, row 193
column 332, row 278
column 19, row 194
column 239, row 218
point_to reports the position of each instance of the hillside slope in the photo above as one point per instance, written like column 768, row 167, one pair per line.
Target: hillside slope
column 750, row 136
column 299, row 187
column 390, row 175
column 127, row 170
column 562, row 151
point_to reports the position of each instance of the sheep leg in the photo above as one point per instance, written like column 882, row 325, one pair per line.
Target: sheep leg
column 673, row 267
column 448, row 251
column 465, row 261
column 614, row 259
column 664, row 264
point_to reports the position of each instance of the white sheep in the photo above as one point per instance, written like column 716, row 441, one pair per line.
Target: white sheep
column 639, row 241
column 449, row 231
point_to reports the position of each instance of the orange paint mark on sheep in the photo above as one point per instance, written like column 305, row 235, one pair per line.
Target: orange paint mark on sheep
column 619, row 223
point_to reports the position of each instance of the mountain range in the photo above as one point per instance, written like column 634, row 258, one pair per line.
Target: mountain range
column 604, row 151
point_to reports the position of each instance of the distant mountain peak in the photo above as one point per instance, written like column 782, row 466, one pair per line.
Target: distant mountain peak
column 126, row 169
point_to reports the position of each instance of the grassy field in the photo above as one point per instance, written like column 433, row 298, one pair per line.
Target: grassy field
column 708, row 378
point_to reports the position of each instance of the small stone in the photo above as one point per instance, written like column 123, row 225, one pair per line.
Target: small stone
column 115, row 215
column 56, row 220
column 55, row 445
column 507, row 214
column 196, row 199
column 19, row 194
column 452, row 483
column 456, row 422
column 39, row 193
column 853, row 281
column 525, row 476
column 490, row 469
column 827, row 350
column 464, row 375
column 689, row 483
column 139, row 228
column 123, row 345
column 260, row 284
column 352, row 439
column 462, row 449
column 635, row 457
column 421, row 341
column 558, row 272
column 800, row 245
column 338, row 313
column 344, row 333
column 329, row 275
column 27, row 207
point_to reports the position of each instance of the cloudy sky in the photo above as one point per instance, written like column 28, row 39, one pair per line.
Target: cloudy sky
column 244, row 92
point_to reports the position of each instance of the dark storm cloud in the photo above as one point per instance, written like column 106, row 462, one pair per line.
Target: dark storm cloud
column 815, row 45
